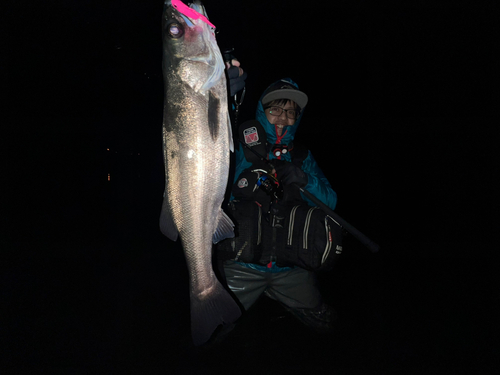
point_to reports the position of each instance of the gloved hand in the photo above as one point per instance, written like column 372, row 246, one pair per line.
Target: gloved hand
column 289, row 173
column 236, row 77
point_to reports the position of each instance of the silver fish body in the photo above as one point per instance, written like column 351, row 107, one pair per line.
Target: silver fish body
column 196, row 144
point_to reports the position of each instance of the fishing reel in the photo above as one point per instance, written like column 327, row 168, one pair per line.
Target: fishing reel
column 269, row 184
column 227, row 54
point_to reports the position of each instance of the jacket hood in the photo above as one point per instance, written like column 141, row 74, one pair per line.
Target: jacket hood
column 269, row 128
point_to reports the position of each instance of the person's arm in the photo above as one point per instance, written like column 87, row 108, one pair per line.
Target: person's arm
column 317, row 183
column 310, row 177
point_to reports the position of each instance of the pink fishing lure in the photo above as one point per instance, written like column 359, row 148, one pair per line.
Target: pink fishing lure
column 189, row 12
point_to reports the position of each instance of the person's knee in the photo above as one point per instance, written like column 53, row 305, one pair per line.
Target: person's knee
column 320, row 319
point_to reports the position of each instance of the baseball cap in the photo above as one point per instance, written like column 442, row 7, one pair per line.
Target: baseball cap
column 283, row 89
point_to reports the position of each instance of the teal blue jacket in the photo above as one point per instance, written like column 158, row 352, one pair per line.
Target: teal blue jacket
column 317, row 183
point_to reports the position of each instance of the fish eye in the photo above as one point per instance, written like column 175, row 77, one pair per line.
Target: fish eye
column 175, row 30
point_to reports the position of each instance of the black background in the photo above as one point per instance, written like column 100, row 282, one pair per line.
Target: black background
column 401, row 114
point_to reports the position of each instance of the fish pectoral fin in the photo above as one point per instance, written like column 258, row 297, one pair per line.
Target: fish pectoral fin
column 213, row 114
column 167, row 225
column 225, row 228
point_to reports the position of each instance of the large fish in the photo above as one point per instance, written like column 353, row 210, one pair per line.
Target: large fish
column 197, row 140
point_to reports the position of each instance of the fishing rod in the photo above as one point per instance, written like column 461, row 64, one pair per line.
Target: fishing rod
column 372, row 246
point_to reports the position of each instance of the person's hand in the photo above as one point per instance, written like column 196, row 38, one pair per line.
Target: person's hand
column 236, row 77
column 235, row 63
column 289, row 173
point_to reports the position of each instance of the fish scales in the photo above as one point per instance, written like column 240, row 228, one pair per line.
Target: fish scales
column 196, row 143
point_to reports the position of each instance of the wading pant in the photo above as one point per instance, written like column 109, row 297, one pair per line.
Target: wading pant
column 296, row 290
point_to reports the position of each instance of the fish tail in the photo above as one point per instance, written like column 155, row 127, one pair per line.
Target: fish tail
column 210, row 312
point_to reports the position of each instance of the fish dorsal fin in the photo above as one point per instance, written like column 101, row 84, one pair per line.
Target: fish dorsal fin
column 225, row 228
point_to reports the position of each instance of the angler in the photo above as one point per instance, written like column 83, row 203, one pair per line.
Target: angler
column 282, row 238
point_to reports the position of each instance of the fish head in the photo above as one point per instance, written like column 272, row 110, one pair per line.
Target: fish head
column 189, row 45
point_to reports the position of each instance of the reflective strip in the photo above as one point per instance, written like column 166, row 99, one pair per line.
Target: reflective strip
column 240, row 251
column 290, row 225
column 258, row 229
column 306, row 226
column 328, row 243
column 334, row 220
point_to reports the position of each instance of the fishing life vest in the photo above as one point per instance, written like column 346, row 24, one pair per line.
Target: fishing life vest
column 299, row 235
column 288, row 232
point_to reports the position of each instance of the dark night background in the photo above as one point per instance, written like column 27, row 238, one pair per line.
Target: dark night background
column 401, row 120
